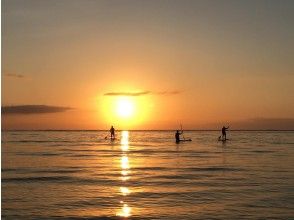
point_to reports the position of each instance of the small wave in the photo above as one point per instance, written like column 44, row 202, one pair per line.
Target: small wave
column 77, row 150
column 45, row 154
column 213, row 169
column 90, row 150
column 262, row 151
column 57, row 171
column 60, row 179
column 150, row 168
column 93, row 218
column 155, row 151
column 98, row 202
column 199, row 156
column 13, row 170
column 35, row 141
column 32, row 170
column 59, row 217
column 81, row 155
column 38, row 179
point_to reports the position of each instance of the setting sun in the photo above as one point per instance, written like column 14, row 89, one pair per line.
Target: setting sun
column 125, row 108
column 125, row 111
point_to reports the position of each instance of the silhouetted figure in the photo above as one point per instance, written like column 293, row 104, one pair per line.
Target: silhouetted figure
column 177, row 136
column 224, row 134
column 112, row 134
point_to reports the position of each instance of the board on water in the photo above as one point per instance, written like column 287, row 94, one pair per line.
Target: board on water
column 183, row 140
column 186, row 140
column 223, row 140
column 111, row 139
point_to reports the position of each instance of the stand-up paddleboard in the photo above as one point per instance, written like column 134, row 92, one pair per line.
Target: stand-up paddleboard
column 186, row 140
column 111, row 139
column 223, row 140
column 183, row 140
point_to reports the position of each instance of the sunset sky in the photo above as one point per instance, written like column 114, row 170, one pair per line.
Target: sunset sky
column 85, row 64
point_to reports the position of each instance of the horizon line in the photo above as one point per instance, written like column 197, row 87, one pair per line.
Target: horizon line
column 4, row 130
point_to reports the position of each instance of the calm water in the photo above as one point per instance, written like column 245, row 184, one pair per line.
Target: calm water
column 145, row 175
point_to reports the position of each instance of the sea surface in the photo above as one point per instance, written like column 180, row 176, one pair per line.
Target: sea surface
column 146, row 175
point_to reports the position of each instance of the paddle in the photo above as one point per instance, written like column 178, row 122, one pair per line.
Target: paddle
column 182, row 132
column 184, row 139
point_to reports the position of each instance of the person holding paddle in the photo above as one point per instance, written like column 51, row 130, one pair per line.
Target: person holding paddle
column 112, row 134
column 224, row 134
column 177, row 136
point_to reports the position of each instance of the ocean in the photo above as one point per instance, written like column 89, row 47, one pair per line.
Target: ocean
column 146, row 175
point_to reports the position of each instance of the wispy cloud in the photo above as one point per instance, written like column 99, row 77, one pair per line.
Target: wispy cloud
column 32, row 109
column 174, row 92
column 127, row 93
column 13, row 75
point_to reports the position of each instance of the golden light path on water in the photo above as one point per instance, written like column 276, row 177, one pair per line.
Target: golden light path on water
column 125, row 210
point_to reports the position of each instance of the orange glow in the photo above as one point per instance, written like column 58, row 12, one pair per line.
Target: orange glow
column 134, row 78
column 125, row 111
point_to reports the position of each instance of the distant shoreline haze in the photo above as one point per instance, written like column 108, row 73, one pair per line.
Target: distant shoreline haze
column 9, row 122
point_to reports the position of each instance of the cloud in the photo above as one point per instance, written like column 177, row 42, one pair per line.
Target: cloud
column 175, row 92
column 14, row 75
column 127, row 93
column 33, row 109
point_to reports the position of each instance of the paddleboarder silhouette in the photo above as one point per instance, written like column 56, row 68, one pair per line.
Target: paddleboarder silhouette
column 177, row 136
column 112, row 132
column 224, row 134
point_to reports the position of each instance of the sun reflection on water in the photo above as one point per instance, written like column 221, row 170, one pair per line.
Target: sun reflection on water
column 124, row 141
column 125, row 190
column 125, row 174
column 125, row 210
column 125, row 162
